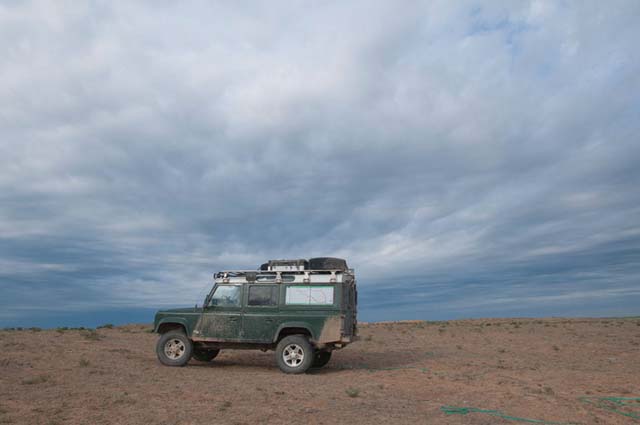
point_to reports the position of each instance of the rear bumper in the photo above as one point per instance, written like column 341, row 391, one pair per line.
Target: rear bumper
column 345, row 340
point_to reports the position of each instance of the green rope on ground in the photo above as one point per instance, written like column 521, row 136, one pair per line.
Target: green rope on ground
column 614, row 404
column 453, row 410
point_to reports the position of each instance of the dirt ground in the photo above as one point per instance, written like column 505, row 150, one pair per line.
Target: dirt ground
column 500, row 371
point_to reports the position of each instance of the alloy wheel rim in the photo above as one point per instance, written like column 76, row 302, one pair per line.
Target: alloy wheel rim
column 293, row 355
column 174, row 349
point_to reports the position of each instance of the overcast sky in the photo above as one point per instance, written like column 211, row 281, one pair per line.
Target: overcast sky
column 467, row 158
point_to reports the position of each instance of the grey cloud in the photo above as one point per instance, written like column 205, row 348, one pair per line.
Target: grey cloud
column 143, row 147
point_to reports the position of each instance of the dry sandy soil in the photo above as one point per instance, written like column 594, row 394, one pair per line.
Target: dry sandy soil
column 403, row 372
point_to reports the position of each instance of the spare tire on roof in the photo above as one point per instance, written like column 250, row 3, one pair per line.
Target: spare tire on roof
column 264, row 266
column 327, row 263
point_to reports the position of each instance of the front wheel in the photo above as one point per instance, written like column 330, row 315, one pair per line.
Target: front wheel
column 321, row 358
column 174, row 349
column 294, row 354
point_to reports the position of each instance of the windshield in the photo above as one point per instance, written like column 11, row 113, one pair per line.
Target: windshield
column 226, row 295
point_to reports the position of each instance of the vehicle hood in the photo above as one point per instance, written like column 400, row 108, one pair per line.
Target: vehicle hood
column 181, row 310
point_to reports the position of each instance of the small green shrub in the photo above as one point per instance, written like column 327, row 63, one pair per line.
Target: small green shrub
column 40, row 379
column 224, row 406
column 83, row 362
column 352, row 392
column 106, row 326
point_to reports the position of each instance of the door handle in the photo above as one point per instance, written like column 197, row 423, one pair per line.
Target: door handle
column 233, row 319
column 268, row 320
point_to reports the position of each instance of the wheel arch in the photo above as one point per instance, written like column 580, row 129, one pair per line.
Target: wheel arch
column 172, row 323
column 294, row 328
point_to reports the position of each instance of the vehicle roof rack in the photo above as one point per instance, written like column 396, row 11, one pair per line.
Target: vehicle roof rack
column 297, row 276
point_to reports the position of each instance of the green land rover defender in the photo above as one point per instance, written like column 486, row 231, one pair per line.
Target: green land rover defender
column 301, row 309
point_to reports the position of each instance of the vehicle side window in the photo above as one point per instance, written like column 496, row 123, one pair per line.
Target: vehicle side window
column 263, row 295
column 226, row 296
column 309, row 295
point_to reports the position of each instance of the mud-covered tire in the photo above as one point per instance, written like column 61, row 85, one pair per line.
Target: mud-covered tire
column 294, row 354
column 321, row 358
column 205, row 355
column 174, row 348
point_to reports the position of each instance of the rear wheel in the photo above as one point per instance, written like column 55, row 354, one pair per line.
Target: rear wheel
column 174, row 349
column 294, row 354
column 205, row 355
column 321, row 358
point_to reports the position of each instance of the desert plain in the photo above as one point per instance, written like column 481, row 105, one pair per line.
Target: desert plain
column 489, row 371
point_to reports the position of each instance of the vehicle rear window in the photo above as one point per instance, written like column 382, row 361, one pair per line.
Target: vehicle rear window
column 261, row 295
column 309, row 295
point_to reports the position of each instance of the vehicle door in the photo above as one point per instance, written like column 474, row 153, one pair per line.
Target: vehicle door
column 260, row 312
column 222, row 317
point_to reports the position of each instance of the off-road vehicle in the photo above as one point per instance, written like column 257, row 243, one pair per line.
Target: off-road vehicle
column 301, row 309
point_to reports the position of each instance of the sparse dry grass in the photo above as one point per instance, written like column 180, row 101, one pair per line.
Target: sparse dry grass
column 92, row 335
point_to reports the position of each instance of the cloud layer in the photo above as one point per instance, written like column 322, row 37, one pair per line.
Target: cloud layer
column 474, row 157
